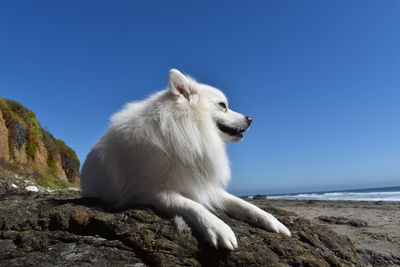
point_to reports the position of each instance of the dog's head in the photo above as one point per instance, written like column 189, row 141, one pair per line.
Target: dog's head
column 229, row 124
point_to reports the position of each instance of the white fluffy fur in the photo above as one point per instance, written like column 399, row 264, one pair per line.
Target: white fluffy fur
column 167, row 152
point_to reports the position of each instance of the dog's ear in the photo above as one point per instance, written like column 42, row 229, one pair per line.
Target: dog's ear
column 179, row 84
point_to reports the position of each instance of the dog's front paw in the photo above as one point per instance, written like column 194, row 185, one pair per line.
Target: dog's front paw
column 220, row 234
column 270, row 223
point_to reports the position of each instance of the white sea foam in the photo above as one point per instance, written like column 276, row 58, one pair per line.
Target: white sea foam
column 356, row 196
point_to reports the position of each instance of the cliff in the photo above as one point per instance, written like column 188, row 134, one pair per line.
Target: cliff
column 61, row 229
column 28, row 149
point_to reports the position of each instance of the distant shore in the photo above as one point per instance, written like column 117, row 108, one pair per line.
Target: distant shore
column 374, row 227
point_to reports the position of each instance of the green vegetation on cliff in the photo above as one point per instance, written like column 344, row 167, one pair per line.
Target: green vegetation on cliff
column 69, row 160
column 25, row 132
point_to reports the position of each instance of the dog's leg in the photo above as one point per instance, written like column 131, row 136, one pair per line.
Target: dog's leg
column 246, row 211
column 215, row 230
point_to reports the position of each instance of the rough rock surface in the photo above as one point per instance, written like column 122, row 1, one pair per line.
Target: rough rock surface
column 61, row 229
column 343, row 220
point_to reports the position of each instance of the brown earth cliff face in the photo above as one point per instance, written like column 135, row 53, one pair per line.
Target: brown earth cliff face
column 27, row 148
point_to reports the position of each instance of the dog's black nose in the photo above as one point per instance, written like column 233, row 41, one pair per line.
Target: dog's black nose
column 249, row 120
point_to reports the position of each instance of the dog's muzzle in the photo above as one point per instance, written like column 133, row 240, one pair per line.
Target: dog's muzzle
column 235, row 132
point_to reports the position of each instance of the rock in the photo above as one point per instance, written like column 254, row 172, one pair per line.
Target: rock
column 343, row 220
column 259, row 197
column 61, row 229
column 378, row 259
column 32, row 188
column 14, row 186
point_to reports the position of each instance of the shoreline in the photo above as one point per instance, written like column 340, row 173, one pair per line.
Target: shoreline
column 373, row 226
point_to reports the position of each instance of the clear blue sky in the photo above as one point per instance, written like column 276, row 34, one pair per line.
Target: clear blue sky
column 320, row 78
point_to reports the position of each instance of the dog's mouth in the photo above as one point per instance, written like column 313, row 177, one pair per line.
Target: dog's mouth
column 231, row 131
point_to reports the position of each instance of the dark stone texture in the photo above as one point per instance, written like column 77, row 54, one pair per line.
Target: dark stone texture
column 343, row 220
column 259, row 197
column 61, row 229
column 378, row 259
column 20, row 133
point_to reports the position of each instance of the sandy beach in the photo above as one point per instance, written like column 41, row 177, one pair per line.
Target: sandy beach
column 374, row 227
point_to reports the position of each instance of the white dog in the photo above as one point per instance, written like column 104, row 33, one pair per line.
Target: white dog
column 168, row 152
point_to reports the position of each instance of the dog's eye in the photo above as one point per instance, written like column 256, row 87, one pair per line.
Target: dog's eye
column 222, row 105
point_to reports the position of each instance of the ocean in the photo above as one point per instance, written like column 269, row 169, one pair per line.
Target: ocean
column 370, row 194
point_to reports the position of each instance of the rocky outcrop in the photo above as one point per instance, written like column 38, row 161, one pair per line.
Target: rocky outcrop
column 25, row 147
column 343, row 220
column 61, row 229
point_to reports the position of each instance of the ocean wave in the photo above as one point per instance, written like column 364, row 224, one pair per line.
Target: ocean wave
column 356, row 196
